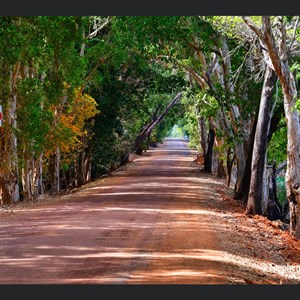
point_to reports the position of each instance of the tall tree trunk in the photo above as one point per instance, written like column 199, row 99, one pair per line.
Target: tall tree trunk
column 26, row 180
column 245, row 186
column 274, row 209
column 293, row 163
column 83, row 166
column 56, row 175
column 10, row 176
column 234, row 114
column 219, row 160
column 14, row 154
column 202, row 131
column 229, row 163
column 279, row 61
column 38, row 179
column 76, row 173
column 209, row 154
column 88, row 163
column 256, row 196
column 221, row 171
column 241, row 166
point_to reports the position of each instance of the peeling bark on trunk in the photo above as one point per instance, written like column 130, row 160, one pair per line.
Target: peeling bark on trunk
column 288, row 83
column 256, row 196
column 234, row 114
column 293, row 164
column 276, row 56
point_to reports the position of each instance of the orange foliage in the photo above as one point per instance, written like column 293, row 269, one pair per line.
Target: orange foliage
column 70, row 123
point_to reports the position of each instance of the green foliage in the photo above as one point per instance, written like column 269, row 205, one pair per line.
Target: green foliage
column 132, row 68
column 295, row 68
column 34, row 121
column 277, row 146
column 189, row 122
column 281, row 189
column 232, row 26
column 208, row 103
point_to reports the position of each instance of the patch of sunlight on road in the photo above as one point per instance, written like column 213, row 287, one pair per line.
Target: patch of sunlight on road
column 180, row 150
column 198, row 254
column 157, row 210
column 173, row 159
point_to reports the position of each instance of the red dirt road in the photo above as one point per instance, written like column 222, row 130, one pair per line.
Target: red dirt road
column 148, row 223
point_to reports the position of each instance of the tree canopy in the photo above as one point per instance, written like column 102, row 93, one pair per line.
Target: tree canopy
column 78, row 92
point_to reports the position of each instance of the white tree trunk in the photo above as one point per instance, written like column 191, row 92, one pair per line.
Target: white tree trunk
column 234, row 114
column 257, row 202
column 13, row 183
column 292, row 180
column 56, row 181
column 88, row 177
column 276, row 56
column 265, row 191
column 38, row 188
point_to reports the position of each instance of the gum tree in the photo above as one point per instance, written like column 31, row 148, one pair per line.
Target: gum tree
column 278, row 44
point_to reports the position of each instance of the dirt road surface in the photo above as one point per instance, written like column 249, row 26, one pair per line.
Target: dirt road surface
column 156, row 221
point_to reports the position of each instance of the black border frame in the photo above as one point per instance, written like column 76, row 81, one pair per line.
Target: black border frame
column 149, row 7
column 144, row 8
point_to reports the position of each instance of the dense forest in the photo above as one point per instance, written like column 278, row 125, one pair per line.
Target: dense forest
column 80, row 93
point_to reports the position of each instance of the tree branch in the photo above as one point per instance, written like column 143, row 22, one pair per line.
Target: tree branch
column 253, row 27
column 282, row 45
column 95, row 32
column 87, row 78
column 294, row 35
column 271, row 46
column 149, row 127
